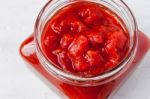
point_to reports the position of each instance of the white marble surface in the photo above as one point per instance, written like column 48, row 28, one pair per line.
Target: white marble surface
column 17, row 19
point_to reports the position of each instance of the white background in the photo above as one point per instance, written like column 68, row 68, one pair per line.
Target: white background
column 17, row 19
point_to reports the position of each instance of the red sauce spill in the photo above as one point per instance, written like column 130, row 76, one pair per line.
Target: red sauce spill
column 85, row 38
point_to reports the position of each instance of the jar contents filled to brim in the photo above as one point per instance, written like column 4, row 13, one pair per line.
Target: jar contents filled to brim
column 85, row 39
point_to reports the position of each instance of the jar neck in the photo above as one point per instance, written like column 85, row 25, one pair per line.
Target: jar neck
column 119, row 7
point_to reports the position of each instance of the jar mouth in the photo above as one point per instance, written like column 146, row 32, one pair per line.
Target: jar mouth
column 78, row 80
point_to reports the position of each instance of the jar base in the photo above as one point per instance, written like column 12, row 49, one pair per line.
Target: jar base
column 105, row 91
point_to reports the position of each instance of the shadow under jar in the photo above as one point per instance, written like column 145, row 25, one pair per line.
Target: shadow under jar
column 85, row 48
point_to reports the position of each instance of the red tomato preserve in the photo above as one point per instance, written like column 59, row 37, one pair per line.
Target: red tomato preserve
column 85, row 40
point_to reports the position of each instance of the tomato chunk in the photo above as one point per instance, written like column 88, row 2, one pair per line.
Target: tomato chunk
column 120, row 38
column 76, row 26
column 94, row 57
column 111, row 49
column 58, row 26
column 50, row 41
column 66, row 40
column 95, row 37
column 91, row 15
column 78, row 46
column 61, row 57
column 80, row 64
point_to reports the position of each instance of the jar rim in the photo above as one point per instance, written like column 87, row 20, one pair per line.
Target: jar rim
column 74, row 78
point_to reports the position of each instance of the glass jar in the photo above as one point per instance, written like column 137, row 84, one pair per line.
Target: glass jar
column 70, row 86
